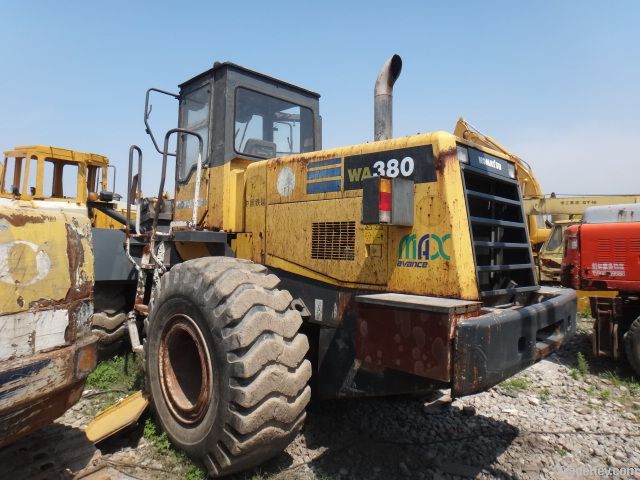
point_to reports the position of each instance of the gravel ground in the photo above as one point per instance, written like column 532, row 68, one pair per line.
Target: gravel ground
column 559, row 415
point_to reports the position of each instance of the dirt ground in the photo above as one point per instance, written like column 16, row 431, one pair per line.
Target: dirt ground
column 565, row 417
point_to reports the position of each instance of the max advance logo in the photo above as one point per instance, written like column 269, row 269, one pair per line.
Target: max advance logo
column 416, row 253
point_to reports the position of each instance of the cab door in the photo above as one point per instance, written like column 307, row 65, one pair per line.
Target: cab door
column 195, row 115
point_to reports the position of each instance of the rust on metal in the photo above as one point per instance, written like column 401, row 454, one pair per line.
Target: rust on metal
column 413, row 341
column 46, row 349
column 444, row 157
column 547, row 262
column 20, row 220
column 185, row 369
column 343, row 306
column 608, row 316
column 42, row 387
column 141, row 307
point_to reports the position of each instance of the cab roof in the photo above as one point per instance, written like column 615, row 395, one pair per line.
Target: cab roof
column 65, row 154
column 612, row 213
column 238, row 68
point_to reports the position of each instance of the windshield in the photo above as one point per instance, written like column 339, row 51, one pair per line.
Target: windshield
column 268, row 127
column 555, row 239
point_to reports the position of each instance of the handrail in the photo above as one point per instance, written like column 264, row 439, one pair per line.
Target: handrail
column 147, row 113
column 114, row 177
column 183, row 131
column 134, row 148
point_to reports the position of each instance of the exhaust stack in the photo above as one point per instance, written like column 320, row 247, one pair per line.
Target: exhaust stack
column 383, row 98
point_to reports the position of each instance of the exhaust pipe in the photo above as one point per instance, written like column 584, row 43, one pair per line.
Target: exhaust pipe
column 383, row 98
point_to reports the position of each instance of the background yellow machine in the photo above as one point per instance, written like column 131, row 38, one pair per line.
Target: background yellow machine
column 547, row 215
column 389, row 267
column 46, row 286
column 53, row 179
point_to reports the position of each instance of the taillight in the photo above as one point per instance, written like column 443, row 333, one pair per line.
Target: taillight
column 384, row 204
column 387, row 201
column 572, row 241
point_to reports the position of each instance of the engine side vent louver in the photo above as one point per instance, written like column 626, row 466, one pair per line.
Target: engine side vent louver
column 333, row 240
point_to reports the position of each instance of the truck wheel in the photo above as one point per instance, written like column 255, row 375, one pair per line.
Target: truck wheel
column 225, row 363
column 632, row 345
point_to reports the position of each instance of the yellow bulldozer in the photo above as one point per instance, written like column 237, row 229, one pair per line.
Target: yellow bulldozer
column 282, row 270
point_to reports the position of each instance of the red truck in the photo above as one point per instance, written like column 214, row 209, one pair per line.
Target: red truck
column 603, row 253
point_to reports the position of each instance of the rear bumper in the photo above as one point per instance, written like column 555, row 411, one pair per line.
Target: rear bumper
column 496, row 345
column 37, row 389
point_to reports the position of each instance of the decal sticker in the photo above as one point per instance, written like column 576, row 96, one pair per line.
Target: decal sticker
column 415, row 163
column 286, row 181
column 324, row 176
column 188, row 204
column 318, row 310
column 417, row 253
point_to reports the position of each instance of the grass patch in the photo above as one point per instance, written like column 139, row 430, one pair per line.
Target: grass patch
column 515, row 384
column 159, row 439
column 581, row 368
column 604, row 394
column 122, row 373
column 583, row 365
column 544, row 395
column 117, row 377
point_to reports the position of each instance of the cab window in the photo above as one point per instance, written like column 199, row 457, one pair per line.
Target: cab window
column 195, row 117
column 60, row 179
column 555, row 240
column 12, row 175
column 268, row 127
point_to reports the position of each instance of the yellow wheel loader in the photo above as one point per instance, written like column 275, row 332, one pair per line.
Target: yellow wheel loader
column 284, row 271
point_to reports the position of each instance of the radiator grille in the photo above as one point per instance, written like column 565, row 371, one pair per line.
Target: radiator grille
column 333, row 240
column 500, row 242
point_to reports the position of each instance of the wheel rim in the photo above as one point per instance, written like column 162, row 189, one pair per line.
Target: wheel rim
column 185, row 369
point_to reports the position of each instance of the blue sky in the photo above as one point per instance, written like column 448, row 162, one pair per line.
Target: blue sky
column 556, row 82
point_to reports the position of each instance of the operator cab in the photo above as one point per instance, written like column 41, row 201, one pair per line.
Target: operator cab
column 244, row 114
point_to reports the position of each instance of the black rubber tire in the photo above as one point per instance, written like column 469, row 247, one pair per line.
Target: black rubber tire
column 259, row 371
column 632, row 345
column 110, row 327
